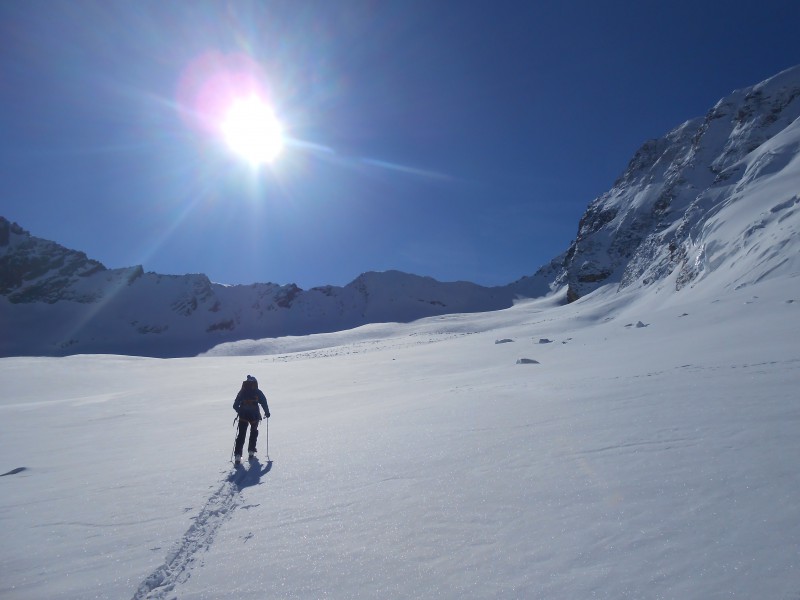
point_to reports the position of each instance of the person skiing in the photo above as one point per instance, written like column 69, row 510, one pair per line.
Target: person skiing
column 246, row 406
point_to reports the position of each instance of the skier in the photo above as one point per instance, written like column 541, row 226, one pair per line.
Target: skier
column 246, row 406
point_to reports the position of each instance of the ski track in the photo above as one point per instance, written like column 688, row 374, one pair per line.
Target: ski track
column 180, row 561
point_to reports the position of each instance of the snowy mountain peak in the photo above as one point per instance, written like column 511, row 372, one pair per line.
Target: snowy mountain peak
column 651, row 225
column 37, row 270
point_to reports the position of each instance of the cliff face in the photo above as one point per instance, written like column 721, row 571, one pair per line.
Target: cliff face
column 651, row 224
column 35, row 270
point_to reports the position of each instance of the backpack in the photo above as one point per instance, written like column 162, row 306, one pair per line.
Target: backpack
column 250, row 398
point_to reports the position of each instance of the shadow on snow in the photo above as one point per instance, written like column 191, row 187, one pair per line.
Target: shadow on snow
column 249, row 474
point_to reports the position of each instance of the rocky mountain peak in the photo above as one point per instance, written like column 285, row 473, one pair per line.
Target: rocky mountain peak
column 640, row 231
column 37, row 270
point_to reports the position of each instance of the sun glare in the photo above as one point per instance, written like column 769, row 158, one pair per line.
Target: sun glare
column 252, row 131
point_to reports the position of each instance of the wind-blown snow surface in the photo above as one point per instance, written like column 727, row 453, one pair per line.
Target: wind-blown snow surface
column 651, row 453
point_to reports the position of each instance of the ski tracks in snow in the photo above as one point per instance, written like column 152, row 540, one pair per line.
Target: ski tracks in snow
column 183, row 557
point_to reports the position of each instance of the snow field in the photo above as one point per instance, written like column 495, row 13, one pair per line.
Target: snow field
column 420, row 461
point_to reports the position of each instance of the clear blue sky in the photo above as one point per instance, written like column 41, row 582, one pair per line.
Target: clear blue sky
column 457, row 139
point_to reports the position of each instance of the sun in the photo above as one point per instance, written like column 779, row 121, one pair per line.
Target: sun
column 252, row 131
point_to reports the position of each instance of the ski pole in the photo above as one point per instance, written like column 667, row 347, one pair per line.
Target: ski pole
column 233, row 450
column 267, row 439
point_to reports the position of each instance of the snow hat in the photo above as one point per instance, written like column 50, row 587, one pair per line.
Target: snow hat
column 253, row 379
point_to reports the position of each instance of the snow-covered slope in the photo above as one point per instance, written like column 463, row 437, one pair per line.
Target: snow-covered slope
column 647, row 448
column 738, row 166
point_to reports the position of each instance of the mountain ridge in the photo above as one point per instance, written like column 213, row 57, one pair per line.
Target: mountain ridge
column 77, row 305
column 714, row 191
column 649, row 224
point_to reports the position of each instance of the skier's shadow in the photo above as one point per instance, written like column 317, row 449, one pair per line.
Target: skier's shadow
column 250, row 475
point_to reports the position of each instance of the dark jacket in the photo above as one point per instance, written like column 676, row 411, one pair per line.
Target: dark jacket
column 246, row 404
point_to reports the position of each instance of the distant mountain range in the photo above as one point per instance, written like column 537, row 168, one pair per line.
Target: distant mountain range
column 716, row 191
column 57, row 301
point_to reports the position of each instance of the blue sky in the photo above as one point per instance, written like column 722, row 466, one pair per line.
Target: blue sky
column 460, row 140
